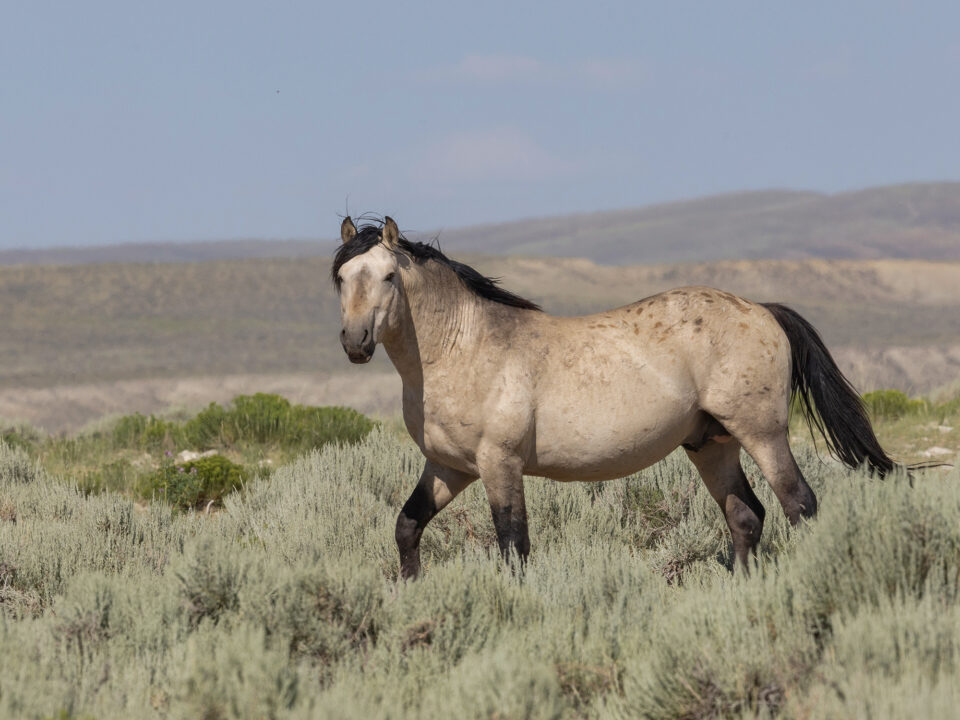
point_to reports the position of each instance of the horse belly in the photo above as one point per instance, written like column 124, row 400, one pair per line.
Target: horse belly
column 609, row 437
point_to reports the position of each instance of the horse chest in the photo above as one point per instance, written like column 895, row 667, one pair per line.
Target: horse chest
column 446, row 446
column 442, row 426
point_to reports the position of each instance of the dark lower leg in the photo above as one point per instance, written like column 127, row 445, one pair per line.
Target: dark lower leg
column 417, row 512
column 503, row 482
column 437, row 487
column 719, row 466
column 512, row 534
column 744, row 515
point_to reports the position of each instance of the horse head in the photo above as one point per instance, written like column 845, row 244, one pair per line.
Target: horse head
column 366, row 273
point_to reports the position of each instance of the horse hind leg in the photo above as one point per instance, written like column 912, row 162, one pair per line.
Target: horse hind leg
column 761, row 429
column 719, row 466
column 771, row 451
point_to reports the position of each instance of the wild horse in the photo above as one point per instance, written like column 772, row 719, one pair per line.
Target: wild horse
column 494, row 388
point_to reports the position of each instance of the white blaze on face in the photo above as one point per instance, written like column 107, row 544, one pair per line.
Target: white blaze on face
column 368, row 292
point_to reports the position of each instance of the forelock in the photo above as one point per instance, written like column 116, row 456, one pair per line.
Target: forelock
column 368, row 236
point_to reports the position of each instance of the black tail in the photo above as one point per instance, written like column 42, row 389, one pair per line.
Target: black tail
column 830, row 402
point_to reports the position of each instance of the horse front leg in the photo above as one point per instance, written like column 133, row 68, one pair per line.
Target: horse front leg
column 503, row 481
column 438, row 485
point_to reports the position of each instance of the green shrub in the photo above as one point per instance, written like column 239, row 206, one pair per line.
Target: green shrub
column 21, row 436
column 194, row 484
column 145, row 433
column 893, row 404
column 314, row 427
column 948, row 409
column 259, row 418
column 261, row 429
column 206, row 429
column 272, row 420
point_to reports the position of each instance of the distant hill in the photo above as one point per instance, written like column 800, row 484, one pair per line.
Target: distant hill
column 169, row 252
column 84, row 340
column 916, row 221
column 919, row 221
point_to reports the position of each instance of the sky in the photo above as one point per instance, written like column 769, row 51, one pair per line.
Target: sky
column 156, row 121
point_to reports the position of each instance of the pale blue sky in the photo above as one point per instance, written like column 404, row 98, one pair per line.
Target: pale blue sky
column 126, row 121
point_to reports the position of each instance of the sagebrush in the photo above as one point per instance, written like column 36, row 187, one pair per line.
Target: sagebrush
column 286, row 603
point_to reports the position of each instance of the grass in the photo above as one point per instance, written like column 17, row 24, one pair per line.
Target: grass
column 139, row 456
column 908, row 428
column 286, row 603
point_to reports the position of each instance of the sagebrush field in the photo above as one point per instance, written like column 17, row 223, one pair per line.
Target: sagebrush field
column 285, row 602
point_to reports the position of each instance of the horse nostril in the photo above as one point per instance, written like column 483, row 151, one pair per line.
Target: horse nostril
column 343, row 333
column 365, row 334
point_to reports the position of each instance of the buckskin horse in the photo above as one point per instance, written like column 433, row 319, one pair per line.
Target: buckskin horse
column 494, row 388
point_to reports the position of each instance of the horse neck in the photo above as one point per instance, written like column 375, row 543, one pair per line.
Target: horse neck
column 440, row 319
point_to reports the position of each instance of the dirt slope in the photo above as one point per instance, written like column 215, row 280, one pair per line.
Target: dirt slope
column 78, row 342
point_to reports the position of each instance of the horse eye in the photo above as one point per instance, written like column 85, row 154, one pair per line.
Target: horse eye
column 390, row 277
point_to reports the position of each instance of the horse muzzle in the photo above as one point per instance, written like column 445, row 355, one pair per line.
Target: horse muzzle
column 359, row 346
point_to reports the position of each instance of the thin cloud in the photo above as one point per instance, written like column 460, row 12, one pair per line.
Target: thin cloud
column 497, row 154
column 522, row 70
column 497, row 69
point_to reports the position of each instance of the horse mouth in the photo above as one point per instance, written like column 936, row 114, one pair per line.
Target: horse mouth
column 359, row 358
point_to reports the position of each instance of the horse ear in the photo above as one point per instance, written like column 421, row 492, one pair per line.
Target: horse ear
column 391, row 234
column 348, row 231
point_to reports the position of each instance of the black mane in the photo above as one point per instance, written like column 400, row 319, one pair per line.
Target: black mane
column 420, row 253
